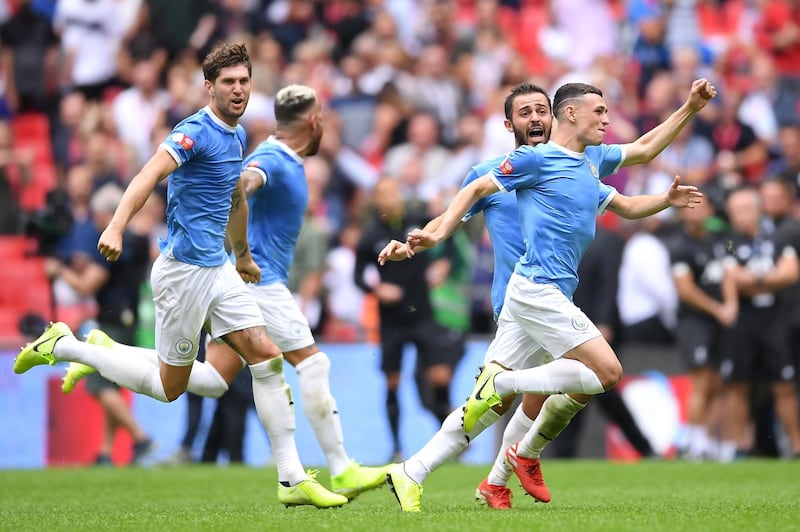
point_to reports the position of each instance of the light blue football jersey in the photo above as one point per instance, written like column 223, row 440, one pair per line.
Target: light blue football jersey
column 502, row 221
column 209, row 156
column 559, row 194
column 277, row 209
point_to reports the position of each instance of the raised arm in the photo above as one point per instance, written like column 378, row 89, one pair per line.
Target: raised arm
column 450, row 219
column 649, row 145
column 634, row 207
column 160, row 165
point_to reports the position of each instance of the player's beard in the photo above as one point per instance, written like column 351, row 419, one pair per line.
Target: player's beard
column 234, row 113
column 521, row 137
column 313, row 145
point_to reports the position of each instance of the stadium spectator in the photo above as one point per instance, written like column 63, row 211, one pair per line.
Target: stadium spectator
column 708, row 307
column 91, row 33
column 419, row 162
column 225, row 437
column 787, row 165
column 115, row 288
column 344, row 301
column 404, row 306
column 778, row 31
column 738, row 151
column 646, row 297
column 29, row 57
column 778, row 199
column 138, row 109
column 758, row 343
column 596, row 296
column 16, row 173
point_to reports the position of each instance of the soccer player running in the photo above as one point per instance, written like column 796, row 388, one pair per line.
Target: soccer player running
column 559, row 193
column 194, row 282
column 529, row 118
column 274, row 180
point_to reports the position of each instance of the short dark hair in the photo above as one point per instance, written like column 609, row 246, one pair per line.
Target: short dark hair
column 570, row 91
column 292, row 101
column 519, row 90
column 225, row 55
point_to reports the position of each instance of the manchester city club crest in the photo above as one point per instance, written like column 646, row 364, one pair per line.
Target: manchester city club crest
column 593, row 170
column 580, row 323
column 184, row 346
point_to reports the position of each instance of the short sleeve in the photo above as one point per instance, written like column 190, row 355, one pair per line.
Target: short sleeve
column 184, row 142
column 520, row 169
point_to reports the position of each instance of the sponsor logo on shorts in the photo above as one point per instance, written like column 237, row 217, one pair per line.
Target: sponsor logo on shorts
column 184, row 346
column 579, row 323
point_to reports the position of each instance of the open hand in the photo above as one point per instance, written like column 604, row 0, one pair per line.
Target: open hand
column 683, row 196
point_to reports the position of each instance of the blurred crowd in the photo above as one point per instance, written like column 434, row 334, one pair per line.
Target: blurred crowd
column 414, row 92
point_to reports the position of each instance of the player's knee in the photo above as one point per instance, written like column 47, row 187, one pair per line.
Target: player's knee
column 610, row 373
column 173, row 392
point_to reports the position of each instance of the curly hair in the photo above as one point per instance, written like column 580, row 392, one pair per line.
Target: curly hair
column 225, row 55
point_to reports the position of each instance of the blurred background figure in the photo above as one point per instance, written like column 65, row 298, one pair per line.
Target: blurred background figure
column 756, row 348
column 114, row 286
column 708, row 306
column 404, row 307
column 596, row 295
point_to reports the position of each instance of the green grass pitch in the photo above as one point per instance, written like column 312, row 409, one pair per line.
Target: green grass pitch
column 587, row 495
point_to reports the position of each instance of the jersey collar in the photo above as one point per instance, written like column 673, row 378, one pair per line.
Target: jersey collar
column 293, row 154
column 574, row 154
column 217, row 120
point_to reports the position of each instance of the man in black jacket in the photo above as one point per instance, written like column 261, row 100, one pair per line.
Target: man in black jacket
column 404, row 306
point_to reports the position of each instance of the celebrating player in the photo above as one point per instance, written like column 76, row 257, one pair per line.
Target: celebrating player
column 194, row 282
column 559, row 193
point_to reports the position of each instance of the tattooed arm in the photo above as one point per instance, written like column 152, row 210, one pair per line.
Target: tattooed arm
column 237, row 237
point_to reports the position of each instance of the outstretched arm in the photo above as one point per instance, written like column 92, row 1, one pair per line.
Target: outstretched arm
column 399, row 251
column 160, row 165
column 449, row 220
column 649, row 145
column 634, row 207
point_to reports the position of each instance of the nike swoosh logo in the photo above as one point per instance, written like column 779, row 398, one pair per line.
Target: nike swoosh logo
column 35, row 347
column 478, row 393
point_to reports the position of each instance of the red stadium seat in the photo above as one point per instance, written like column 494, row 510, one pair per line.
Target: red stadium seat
column 15, row 247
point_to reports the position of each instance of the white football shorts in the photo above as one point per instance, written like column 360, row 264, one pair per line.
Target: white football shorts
column 187, row 297
column 286, row 324
column 537, row 324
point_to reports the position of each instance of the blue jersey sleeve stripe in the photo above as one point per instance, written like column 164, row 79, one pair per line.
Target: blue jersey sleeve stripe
column 166, row 147
column 258, row 171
